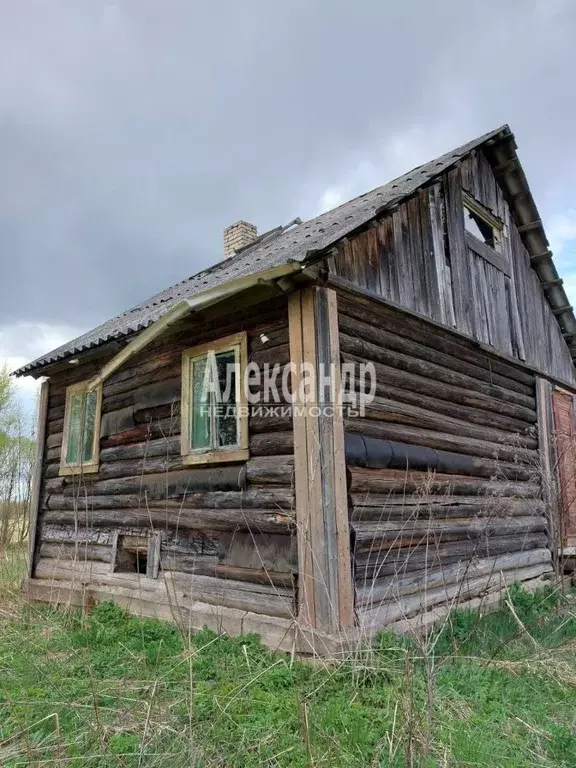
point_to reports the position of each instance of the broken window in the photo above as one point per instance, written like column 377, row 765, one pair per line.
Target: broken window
column 481, row 223
column 137, row 555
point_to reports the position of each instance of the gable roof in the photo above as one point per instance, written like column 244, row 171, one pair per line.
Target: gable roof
column 294, row 244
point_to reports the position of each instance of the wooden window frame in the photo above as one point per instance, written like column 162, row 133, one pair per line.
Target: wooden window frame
column 239, row 344
column 492, row 254
column 153, row 544
column 83, row 467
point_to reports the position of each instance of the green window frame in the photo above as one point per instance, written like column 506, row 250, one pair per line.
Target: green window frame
column 214, row 410
column 81, row 436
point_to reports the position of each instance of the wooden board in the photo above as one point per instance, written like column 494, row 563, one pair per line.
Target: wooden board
column 35, row 495
column 325, row 584
column 565, row 432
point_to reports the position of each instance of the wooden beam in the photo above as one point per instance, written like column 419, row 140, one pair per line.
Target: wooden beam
column 200, row 301
column 548, row 461
column 487, row 253
column 552, row 283
column 306, row 607
column 37, row 475
column 561, row 310
column 530, row 226
column 325, row 597
column 537, row 257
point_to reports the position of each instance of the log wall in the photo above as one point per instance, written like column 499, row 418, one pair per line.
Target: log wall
column 420, row 257
column 226, row 532
column 444, row 482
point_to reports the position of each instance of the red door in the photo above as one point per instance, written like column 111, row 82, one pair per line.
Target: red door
column 564, row 427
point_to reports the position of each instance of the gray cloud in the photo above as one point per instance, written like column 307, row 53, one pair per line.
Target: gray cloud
column 132, row 132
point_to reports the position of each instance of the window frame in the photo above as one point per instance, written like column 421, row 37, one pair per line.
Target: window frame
column 153, row 544
column 82, row 467
column 238, row 343
column 496, row 225
column 495, row 254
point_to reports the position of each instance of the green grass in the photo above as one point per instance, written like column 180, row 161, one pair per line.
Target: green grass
column 109, row 689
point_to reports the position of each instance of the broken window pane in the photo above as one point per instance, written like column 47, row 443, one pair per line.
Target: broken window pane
column 479, row 228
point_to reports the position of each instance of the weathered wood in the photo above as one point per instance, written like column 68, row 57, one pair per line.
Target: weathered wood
column 270, row 470
column 369, row 535
column 269, row 552
column 426, row 386
column 366, row 350
column 389, row 410
column 387, row 561
column 371, row 506
column 404, row 607
column 371, row 310
column 564, row 412
column 390, row 587
column 259, row 598
column 166, row 485
column 168, row 446
column 444, row 442
column 76, row 551
column 272, row 444
column 153, row 559
column 221, row 519
column 53, row 441
column 204, row 565
column 380, row 337
column 325, row 585
column 143, row 433
column 548, row 460
column 303, row 490
column 523, row 432
column 251, row 498
column 398, row 481
column 36, row 487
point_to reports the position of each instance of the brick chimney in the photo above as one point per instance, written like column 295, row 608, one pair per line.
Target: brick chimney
column 238, row 236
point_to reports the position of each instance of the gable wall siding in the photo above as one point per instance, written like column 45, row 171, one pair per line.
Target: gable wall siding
column 418, row 257
column 226, row 531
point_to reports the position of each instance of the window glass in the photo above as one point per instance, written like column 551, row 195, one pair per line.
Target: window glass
column 215, row 419
column 214, row 422
column 226, row 422
column 200, row 413
column 81, row 427
column 90, row 403
column 74, row 429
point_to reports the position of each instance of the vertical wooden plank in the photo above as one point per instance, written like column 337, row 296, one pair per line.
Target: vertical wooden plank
column 461, row 274
column 389, row 258
column 306, row 609
column 342, row 525
column 323, row 608
column 153, row 559
column 114, row 555
column 35, row 494
column 565, row 432
column 325, row 579
column 548, row 461
column 441, row 257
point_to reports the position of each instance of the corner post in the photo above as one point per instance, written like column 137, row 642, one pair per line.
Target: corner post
column 37, row 475
column 325, row 596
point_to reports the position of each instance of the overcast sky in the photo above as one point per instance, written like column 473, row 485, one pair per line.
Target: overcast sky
column 132, row 132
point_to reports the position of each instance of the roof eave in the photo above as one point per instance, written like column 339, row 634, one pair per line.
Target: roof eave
column 510, row 174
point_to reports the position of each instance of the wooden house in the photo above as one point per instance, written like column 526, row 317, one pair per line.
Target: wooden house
column 312, row 524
